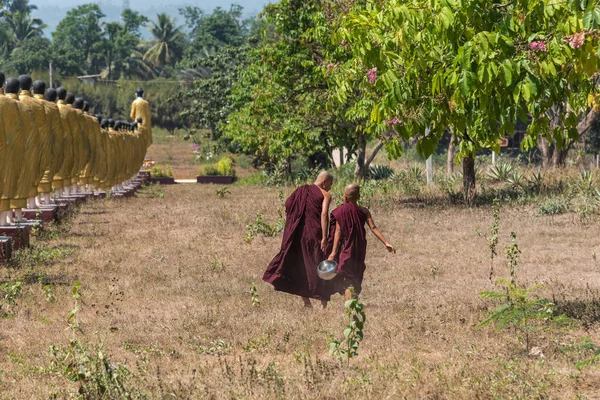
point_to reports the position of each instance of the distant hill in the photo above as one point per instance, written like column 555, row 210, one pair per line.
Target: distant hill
column 52, row 14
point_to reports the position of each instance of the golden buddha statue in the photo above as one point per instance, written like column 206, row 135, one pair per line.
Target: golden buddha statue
column 140, row 108
column 41, row 140
column 55, row 126
column 66, row 116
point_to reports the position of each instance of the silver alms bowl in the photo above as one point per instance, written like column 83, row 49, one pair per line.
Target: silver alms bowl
column 326, row 269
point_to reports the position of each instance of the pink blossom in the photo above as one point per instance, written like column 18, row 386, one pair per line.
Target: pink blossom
column 576, row 40
column 195, row 147
column 372, row 76
column 343, row 42
column 330, row 67
column 538, row 46
column 392, row 121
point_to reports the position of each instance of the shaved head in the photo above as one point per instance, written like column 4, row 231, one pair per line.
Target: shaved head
column 324, row 180
column 352, row 192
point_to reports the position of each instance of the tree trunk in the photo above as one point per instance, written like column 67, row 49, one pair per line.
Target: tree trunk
column 546, row 151
column 450, row 157
column 360, row 171
column 469, row 189
column 559, row 157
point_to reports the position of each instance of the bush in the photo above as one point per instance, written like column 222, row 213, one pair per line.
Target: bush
column 159, row 171
column 379, row 172
column 224, row 167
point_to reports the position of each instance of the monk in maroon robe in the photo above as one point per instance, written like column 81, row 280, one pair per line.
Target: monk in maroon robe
column 294, row 269
column 349, row 239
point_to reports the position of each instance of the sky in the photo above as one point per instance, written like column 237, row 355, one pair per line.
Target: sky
column 53, row 11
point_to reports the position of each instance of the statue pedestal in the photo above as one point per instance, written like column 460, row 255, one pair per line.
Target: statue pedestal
column 5, row 249
column 19, row 233
column 47, row 213
column 99, row 195
column 75, row 198
column 119, row 194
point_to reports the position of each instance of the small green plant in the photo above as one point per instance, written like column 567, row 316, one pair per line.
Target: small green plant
column 223, row 191
column 493, row 238
column 380, row 172
column 415, row 173
column 519, row 309
column 98, row 378
column 254, row 294
column 261, row 227
column 434, row 270
column 552, row 207
column 153, row 191
column 347, row 348
column 517, row 180
column 49, row 294
column 501, row 171
column 73, row 320
column 535, row 182
column 216, row 266
column 9, row 292
column 160, row 171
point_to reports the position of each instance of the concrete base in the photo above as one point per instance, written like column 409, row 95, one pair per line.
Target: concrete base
column 5, row 249
column 19, row 233
column 74, row 198
column 45, row 213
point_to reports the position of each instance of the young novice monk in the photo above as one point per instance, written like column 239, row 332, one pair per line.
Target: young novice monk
column 348, row 223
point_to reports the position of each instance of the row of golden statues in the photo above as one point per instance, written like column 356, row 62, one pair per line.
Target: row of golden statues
column 50, row 146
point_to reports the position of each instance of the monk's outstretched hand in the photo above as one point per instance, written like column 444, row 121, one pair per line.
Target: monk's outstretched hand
column 390, row 248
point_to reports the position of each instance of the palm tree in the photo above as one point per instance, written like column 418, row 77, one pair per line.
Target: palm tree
column 21, row 6
column 166, row 48
column 23, row 26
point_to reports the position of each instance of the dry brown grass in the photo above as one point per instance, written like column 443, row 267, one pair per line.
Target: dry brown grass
column 175, row 152
column 157, row 299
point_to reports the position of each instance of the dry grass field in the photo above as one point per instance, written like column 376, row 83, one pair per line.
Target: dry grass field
column 166, row 279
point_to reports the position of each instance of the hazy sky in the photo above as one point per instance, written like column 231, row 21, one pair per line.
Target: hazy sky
column 52, row 11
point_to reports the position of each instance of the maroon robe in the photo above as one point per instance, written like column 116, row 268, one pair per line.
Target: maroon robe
column 294, row 269
column 352, row 249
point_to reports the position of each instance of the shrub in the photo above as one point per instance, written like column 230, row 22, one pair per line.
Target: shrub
column 159, row 171
column 225, row 166
column 501, row 172
column 379, row 172
column 552, row 207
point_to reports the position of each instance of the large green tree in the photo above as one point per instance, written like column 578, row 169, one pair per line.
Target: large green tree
column 218, row 29
column 78, row 41
column 121, row 40
column 476, row 66
column 284, row 99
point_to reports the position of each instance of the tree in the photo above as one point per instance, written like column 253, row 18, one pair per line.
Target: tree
column 208, row 102
column 221, row 28
column 475, row 66
column 78, row 41
column 167, row 44
column 120, row 46
column 23, row 26
column 32, row 54
column 284, row 99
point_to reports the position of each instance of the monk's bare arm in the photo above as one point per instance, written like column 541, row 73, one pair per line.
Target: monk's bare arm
column 325, row 220
column 336, row 241
column 378, row 233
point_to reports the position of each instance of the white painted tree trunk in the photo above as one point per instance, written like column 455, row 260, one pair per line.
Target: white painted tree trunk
column 429, row 170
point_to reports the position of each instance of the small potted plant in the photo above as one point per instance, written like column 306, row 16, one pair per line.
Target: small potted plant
column 223, row 172
column 161, row 174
